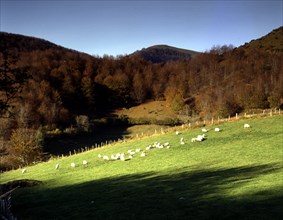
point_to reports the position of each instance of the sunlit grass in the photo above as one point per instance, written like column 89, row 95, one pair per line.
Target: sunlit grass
column 231, row 172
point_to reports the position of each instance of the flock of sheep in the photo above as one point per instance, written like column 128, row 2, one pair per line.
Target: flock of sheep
column 130, row 153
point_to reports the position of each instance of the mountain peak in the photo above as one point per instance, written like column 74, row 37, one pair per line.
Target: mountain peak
column 164, row 53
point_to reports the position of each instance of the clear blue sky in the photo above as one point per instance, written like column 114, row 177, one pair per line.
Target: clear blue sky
column 121, row 27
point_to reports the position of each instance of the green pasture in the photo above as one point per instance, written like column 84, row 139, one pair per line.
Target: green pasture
column 236, row 173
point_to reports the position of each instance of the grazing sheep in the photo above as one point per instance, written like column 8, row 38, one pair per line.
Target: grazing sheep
column 73, row 164
column 247, row 126
column 217, row 129
column 166, row 144
column 99, row 156
column 24, row 170
column 182, row 141
column 113, row 157
column 122, row 157
column 105, row 158
column 57, row 166
column 132, row 152
column 177, row 132
column 143, row 154
column 200, row 137
column 149, row 147
column 138, row 150
column 194, row 139
column 204, row 130
column 84, row 162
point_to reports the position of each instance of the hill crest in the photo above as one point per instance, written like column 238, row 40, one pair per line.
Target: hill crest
column 164, row 53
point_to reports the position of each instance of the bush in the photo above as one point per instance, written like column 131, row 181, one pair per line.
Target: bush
column 25, row 146
column 83, row 123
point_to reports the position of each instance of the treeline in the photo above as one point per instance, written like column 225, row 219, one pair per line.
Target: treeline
column 62, row 86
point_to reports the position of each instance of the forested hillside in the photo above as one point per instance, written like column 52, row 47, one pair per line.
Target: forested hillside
column 164, row 53
column 47, row 86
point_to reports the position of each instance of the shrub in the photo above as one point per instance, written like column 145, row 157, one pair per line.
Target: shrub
column 25, row 146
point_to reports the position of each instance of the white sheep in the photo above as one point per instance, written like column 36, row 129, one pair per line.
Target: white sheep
column 200, row 137
column 138, row 150
column 166, row 144
column 24, row 170
column 99, row 156
column 84, row 162
column 182, row 141
column 217, row 129
column 122, row 157
column 194, row 140
column 143, row 154
column 247, row 126
column 149, row 147
column 177, row 132
column 204, row 130
column 132, row 152
column 57, row 166
column 73, row 164
column 105, row 158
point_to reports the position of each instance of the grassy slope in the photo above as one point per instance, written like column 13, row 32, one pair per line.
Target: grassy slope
column 235, row 173
column 152, row 110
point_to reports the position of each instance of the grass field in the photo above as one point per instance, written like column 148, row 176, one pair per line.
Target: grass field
column 233, row 174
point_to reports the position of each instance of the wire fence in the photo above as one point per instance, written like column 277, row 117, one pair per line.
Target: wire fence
column 185, row 126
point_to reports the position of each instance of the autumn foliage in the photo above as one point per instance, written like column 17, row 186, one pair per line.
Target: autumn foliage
column 63, row 84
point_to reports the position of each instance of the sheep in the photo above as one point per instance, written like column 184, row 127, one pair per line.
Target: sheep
column 138, row 150
column 143, row 154
column 84, row 162
column 204, row 130
column 24, row 171
column 247, row 126
column 177, row 133
column 99, row 156
column 182, row 141
column 132, row 152
column 113, row 157
column 217, row 129
column 73, row 164
column 166, row 144
column 57, row 166
column 200, row 137
column 149, row 147
column 105, row 158
column 122, row 157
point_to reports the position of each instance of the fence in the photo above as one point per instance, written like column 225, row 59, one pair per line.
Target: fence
column 189, row 125
column 5, row 206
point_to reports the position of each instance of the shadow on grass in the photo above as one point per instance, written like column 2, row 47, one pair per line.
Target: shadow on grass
column 199, row 194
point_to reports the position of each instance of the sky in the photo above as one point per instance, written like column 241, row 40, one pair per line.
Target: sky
column 121, row 27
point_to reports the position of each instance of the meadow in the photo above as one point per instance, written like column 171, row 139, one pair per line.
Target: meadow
column 234, row 174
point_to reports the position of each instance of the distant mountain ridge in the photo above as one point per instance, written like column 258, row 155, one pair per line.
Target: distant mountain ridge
column 164, row 53
column 25, row 43
column 272, row 42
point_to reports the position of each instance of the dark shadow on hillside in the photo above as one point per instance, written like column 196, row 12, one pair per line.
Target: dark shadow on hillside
column 200, row 194
column 65, row 144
